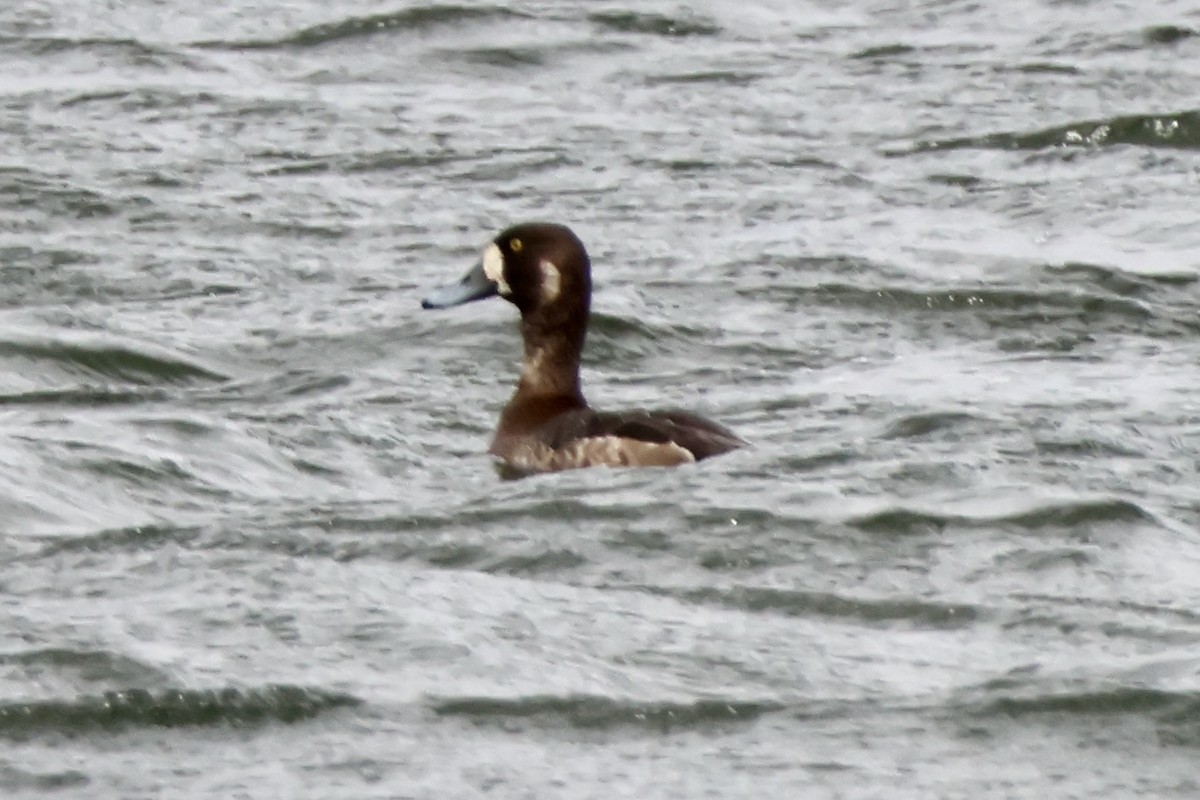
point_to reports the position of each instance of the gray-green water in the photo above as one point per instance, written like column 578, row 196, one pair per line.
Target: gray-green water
column 940, row 261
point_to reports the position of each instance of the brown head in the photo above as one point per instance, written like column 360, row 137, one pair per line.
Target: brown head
column 543, row 270
column 539, row 267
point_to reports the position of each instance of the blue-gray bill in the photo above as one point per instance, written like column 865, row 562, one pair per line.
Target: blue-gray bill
column 475, row 285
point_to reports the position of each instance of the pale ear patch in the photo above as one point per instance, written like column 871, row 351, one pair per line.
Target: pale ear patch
column 551, row 281
column 493, row 268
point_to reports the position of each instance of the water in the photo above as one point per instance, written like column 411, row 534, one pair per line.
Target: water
column 939, row 261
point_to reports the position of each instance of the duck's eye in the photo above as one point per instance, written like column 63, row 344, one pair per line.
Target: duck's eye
column 515, row 245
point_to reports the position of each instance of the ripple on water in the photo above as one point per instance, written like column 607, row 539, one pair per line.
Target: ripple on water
column 1173, row 713
column 27, row 195
column 1083, row 513
column 137, row 364
column 82, row 668
column 655, row 24
column 787, row 602
column 139, row 708
column 1180, row 130
column 604, row 713
column 413, row 20
column 15, row 779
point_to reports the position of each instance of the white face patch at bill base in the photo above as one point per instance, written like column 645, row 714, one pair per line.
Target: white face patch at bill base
column 493, row 268
column 551, row 281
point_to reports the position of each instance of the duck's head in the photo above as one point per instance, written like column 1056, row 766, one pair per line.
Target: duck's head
column 539, row 267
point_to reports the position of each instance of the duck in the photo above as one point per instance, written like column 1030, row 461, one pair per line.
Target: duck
column 543, row 269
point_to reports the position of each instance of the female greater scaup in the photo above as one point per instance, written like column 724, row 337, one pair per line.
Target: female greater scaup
column 544, row 271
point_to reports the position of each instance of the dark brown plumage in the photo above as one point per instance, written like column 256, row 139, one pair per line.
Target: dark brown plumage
column 543, row 269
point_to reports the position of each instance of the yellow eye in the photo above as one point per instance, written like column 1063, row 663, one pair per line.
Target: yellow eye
column 515, row 245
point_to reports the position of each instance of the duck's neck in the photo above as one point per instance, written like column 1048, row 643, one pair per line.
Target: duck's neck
column 549, row 382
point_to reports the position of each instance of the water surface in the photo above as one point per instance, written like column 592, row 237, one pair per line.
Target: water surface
column 939, row 261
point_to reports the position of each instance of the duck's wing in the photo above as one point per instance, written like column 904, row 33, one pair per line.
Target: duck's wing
column 702, row 437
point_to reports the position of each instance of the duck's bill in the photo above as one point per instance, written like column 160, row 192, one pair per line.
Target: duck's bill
column 475, row 285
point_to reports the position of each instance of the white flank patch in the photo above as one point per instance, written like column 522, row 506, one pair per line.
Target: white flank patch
column 597, row 451
column 551, row 281
column 493, row 267
column 616, row 451
column 609, row 451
